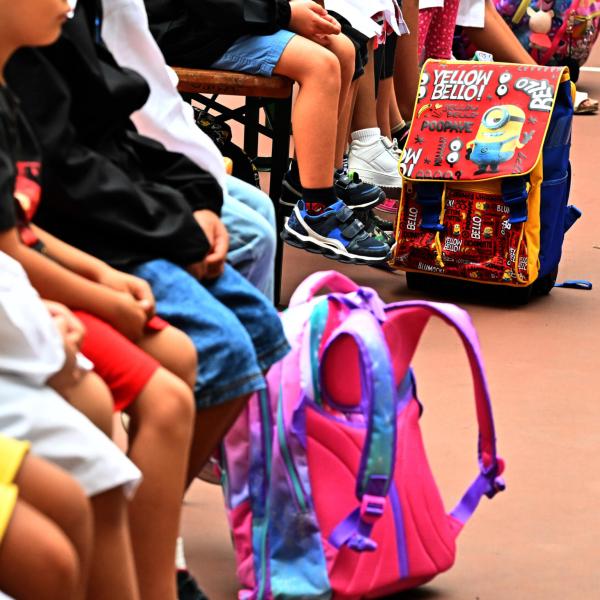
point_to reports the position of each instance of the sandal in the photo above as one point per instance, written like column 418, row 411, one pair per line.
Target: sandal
column 584, row 105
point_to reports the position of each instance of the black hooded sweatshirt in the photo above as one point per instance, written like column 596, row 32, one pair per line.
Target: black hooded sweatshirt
column 195, row 33
column 106, row 189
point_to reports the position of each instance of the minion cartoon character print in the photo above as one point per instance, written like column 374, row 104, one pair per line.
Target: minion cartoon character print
column 498, row 138
column 478, row 120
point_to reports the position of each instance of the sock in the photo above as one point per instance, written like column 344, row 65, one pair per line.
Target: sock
column 180, row 563
column 398, row 127
column 294, row 173
column 318, row 199
column 366, row 136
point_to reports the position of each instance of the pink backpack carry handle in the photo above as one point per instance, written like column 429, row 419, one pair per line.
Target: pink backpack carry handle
column 316, row 282
column 403, row 329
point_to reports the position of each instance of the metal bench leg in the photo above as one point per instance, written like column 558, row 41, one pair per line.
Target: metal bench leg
column 251, row 127
column 280, row 154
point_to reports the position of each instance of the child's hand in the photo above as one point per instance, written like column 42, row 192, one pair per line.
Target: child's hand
column 311, row 21
column 136, row 287
column 72, row 332
column 68, row 324
column 126, row 315
column 218, row 239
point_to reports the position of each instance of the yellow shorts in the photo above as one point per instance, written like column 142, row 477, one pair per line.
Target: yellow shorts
column 12, row 453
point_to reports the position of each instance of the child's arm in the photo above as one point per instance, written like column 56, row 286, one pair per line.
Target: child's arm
column 54, row 282
column 92, row 268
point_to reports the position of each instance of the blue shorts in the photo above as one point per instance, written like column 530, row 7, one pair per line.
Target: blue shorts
column 235, row 329
column 255, row 54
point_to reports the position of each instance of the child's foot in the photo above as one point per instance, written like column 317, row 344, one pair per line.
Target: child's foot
column 376, row 162
column 354, row 192
column 335, row 233
column 348, row 188
column 377, row 227
column 400, row 136
column 291, row 192
column 187, row 587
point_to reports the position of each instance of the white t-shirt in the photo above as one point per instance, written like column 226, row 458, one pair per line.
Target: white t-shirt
column 360, row 15
column 30, row 345
column 165, row 117
column 471, row 13
column 430, row 4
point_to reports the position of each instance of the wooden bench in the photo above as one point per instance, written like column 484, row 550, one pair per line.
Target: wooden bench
column 274, row 96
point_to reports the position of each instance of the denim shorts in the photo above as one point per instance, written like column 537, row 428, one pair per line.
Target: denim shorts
column 236, row 331
column 255, row 54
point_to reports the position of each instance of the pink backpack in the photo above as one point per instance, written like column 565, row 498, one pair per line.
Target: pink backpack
column 328, row 488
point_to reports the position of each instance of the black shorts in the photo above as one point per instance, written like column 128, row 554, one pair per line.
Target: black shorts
column 384, row 59
column 360, row 44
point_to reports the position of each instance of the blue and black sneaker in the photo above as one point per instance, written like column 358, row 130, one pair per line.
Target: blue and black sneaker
column 349, row 188
column 335, row 233
column 354, row 192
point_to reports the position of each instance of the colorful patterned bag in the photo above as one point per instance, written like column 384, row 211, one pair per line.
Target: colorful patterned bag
column 328, row 487
column 487, row 176
column 554, row 32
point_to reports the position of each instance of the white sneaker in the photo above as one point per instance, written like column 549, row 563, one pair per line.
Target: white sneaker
column 376, row 162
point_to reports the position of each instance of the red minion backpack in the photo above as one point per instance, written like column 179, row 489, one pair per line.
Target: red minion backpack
column 486, row 179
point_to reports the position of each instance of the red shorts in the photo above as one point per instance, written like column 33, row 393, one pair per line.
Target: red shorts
column 124, row 367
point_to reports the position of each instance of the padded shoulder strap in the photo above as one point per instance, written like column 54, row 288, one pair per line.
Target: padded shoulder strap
column 405, row 325
column 378, row 405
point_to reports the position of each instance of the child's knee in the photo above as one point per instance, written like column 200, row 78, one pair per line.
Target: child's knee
column 93, row 398
column 61, row 567
column 346, row 53
column 75, row 513
column 167, row 406
column 325, row 69
column 186, row 365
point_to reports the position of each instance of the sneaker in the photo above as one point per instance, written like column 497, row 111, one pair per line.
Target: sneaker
column 401, row 136
column 187, row 587
column 389, row 205
column 348, row 188
column 376, row 227
column 291, row 192
column 354, row 192
column 377, row 163
column 335, row 233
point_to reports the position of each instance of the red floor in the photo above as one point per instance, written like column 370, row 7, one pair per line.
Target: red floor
column 540, row 539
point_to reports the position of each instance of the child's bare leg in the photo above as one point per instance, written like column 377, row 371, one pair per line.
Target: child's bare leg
column 37, row 560
column 54, row 506
column 498, row 39
column 112, row 573
column 174, row 351
column 365, row 112
column 159, row 441
column 92, row 397
column 315, row 113
column 406, row 65
column 343, row 48
column 384, row 98
column 349, row 109
column 396, row 120
column 211, row 426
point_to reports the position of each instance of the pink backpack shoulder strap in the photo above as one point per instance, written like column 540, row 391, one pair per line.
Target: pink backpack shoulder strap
column 403, row 329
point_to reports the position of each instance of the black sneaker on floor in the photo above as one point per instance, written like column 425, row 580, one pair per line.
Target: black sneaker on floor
column 335, row 233
column 377, row 227
column 291, row 192
column 187, row 587
column 354, row 192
